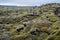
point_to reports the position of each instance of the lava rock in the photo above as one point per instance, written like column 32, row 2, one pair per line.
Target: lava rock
column 35, row 32
column 57, row 11
column 25, row 23
column 19, row 29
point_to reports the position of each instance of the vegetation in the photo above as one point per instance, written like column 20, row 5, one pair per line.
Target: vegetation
column 30, row 22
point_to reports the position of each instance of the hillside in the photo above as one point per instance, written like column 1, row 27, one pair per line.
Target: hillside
column 30, row 22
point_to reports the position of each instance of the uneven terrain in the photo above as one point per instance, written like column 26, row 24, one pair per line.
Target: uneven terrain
column 30, row 22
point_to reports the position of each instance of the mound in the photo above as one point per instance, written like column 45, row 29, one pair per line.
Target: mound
column 30, row 23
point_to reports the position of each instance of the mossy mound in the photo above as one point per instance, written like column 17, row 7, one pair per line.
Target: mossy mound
column 35, row 23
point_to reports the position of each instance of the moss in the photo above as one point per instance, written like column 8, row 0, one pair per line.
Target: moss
column 43, row 19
